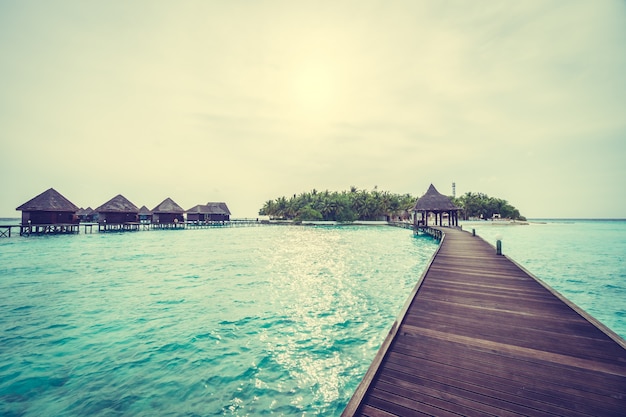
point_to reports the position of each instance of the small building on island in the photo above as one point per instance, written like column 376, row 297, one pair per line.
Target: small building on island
column 168, row 213
column 49, row 212
column 209, row 212
column 118, row 214
column 438, row 204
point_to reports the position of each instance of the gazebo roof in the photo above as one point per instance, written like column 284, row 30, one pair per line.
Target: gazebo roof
column 433, row 200
column 168, row 206
column 144, row 210
column 49, row 200
column 118, row 204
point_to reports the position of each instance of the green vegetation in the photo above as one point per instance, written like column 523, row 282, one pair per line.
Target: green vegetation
column 348, row 206
column 479, row 205
column 345, row 206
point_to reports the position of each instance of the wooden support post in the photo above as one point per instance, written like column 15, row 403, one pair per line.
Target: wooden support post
column 6, row 232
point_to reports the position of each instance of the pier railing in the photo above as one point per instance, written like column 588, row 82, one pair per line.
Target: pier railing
column 6, row 230
column 74, row 228
column 430, row 231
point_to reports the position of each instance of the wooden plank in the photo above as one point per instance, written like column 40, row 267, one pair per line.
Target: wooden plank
column 457, row 398
column 548, row 341
column 409, row 404
column 538, row 319
column 504, row 372
column 481, row 336
column 369, row 411
column 491, row 390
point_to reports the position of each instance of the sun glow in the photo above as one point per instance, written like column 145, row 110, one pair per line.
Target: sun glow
column 314, row 87
column 316, row 90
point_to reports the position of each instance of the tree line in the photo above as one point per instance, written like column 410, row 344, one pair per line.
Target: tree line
column 481, row 206
column 355, row 204
column 344, row 206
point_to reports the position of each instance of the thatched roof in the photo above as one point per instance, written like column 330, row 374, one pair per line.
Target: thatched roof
column 198, row 209
column 218, row 208
column 119, row 204
column 210, row 208
column 168, row 206
column 84, row 212
column 433, row 200
column 144, row 210
column 49, row 200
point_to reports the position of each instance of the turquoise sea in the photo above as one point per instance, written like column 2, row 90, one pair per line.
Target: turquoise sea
column 273, row 320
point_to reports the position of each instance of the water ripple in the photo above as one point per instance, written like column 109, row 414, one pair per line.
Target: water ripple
column 280, row 321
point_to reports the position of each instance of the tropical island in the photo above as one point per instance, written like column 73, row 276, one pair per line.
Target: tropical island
column 355, row 204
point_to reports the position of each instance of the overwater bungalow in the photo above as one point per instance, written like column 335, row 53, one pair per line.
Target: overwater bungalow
column 86, row 215
column 168, row 212
column 49, row 212
column 438, row 204
column 118, row 214
column 145, row 215
column 209, row 212
column 218, row 211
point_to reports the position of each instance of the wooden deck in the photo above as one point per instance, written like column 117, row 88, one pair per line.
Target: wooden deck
column 480, row 336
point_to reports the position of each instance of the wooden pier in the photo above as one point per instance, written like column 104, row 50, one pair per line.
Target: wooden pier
column 480, row 336
column 103, row 227
column 118, row 227
column 5, row 230
column 48, row 229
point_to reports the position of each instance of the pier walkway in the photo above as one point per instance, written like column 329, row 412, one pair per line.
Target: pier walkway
column 480, row 336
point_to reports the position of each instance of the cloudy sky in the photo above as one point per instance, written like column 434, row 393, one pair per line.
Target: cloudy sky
column 246, row 101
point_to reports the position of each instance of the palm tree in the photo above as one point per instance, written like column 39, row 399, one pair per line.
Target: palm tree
column 268, row 209
column 281, row 206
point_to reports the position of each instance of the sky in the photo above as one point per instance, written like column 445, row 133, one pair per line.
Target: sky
column 246, row 101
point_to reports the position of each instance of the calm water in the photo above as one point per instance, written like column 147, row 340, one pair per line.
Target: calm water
column 241, row 321
column 234, row 321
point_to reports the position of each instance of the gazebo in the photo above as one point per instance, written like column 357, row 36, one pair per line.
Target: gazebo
column 438, row 204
